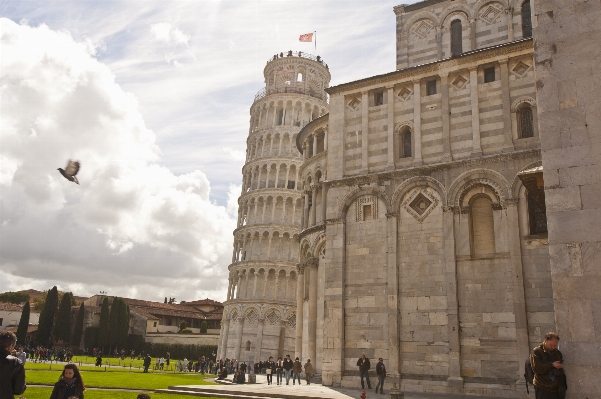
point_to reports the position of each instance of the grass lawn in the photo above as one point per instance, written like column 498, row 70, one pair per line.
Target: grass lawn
column 44, row 393
column 120, row 379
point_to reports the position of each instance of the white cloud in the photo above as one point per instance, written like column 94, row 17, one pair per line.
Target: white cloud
column 131, row 221
column 163, row 31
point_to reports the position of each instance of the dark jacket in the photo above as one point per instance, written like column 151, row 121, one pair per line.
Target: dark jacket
column 546, row 376
column 288, row 364
column 364, row 365
column 297, row 367
column 381, row 369
column 63, row 391
column 270, row 365
column 147, row 361
column 12, row 376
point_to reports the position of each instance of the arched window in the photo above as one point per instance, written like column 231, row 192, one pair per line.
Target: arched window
column 405, row 143
column 247, row 346
column 482, row 226
column 526, row 20
column 456, row 39
column 525, row 122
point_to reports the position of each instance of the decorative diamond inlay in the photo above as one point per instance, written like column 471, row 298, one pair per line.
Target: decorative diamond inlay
column 272, row 317
column 234, row 315
column 521, row 68
column 354, row 103
column 292, row 321
column 490, row 14
column 420, row 204
column 423, row 28
column 459, row 82
column 252, row 316
column 404, row 94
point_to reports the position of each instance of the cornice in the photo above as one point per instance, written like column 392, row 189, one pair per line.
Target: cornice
column 270, row 227
column 412, row 72
column 273, row 97
column 266, row 263
column 270, row 191
column 258, row 301
column 311, row 161
column 271, row 160
column 428, row 169
column 313, row 229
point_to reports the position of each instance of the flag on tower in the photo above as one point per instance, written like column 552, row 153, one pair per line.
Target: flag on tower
column 307, row 37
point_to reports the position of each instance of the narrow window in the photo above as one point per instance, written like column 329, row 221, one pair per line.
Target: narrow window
column 526, row 20
column 299, row 77
column 405, row 143
column 154, row 324
column 489, row 74
column 247, row 345
column 456, row 39
column 537, row 217
column 483, row 230
column 378, row 98
column 367, row 212
column 291, row 184
column 526, row 122
column 280, row 117
column 431, row 87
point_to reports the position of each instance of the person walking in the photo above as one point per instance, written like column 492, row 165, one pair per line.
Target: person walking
column 364, row 367
column 147, row 362
column 546, row 361
column 381, row 372
column 309, row 371
column 288, row 364
column 297, row 369
column 279, row 369
column 70, row 384
column 269, row 369
column 12, row 372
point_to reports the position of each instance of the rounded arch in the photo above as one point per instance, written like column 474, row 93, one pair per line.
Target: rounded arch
column 523, row 100
column 418, row 181
column 270, row 309
column 399, row 126
column 474, row 177
column 317, row 243
column 359, row 192
column 515, row 186
column 445, row 18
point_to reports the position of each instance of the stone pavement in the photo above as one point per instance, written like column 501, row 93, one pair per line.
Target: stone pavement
column 262, row 390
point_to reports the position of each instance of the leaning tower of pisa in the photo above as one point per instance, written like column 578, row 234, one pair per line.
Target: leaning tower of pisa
column 259, row 318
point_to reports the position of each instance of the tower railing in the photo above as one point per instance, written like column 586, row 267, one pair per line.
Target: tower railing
column 301, row 54
column 299, row 90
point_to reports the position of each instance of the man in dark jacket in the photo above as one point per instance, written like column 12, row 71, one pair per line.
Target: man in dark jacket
column 546, row 361
column 147, row 361
column 288, row 363
column 381, row 372
column 364, row 367
column 12, row 372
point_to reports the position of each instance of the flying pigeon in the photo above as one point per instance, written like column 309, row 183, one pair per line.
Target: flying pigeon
column 72, row 169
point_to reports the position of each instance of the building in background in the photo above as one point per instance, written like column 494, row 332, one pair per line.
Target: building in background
column 261, row 313
column 10, row 315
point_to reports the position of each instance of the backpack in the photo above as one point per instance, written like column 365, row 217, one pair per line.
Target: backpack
column 528, row 374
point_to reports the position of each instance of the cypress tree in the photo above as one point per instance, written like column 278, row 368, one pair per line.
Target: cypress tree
column 203, row 327
column 78, row 330
column 47, row 317
column 103, row 326
column 114, row 322
column 23, row 324
column 123, row 323
column 62, row 326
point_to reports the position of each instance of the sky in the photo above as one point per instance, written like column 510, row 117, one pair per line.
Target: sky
column 153, row 98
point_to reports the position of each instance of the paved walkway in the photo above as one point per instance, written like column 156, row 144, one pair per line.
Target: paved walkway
column 262, row 390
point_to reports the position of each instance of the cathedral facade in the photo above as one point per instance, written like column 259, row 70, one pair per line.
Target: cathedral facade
column 418, row 212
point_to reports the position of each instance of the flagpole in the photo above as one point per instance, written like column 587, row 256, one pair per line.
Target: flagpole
column 315, row 32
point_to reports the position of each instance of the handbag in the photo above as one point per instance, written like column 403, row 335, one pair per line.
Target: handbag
column 268, row 371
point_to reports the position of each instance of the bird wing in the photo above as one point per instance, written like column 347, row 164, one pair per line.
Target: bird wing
column 72, row 168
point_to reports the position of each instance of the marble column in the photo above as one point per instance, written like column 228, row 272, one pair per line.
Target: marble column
column 390, row 122
column 393, row 297
column 306, row 211
column 239, row 343
column 259, row 344
column 312, row 322
column 300, row 283
column 519, row 295
column 417, row 122
column 314, row 144
column 226, row 332
column 508, row 139
column 476, row 147
column 473, row 44
column 446, row 118
column 364, row 132
column 324, row 202
column 438, row 43
column 509, row 13
column 313, row 205
column 455, row 379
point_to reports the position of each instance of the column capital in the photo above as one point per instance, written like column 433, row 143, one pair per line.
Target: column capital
column 472, row 20
column 438, row 28
column 364, row 92
column 390, row 87
column 300, row 268
column 392, row 215
column 510, row 202
column 416, row 81
column 312, row 262
column 240, row 320
column 504, row 60
column 509, row 10
column 443, row 74
column 448, row 209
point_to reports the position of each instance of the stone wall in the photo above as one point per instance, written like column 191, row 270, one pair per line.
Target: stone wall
column 568, row 72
